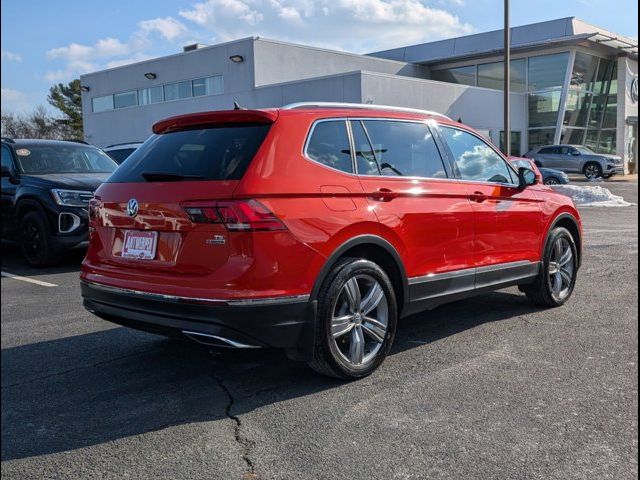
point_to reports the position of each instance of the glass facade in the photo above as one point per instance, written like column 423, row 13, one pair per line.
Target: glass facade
column 161, row 93
column 582, row 101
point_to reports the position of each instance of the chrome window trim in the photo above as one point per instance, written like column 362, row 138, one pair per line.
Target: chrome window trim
column 509, row 166
column 244, row 302
column 430, row 123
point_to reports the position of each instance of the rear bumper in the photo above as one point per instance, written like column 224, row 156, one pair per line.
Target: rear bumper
column 284, row 322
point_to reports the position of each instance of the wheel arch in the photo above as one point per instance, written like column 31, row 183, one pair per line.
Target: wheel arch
column 570, row 222
column 377, row 250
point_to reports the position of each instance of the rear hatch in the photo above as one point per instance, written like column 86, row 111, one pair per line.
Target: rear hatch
column 168, row 209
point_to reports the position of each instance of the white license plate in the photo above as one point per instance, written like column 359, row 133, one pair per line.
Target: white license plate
column 140, row 244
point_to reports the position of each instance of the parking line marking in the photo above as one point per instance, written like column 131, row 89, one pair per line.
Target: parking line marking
column 28, row 280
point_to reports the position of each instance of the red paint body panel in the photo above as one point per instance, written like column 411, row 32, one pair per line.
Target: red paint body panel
column 435, row 226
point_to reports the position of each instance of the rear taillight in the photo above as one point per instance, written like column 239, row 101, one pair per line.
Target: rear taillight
column 235, row 215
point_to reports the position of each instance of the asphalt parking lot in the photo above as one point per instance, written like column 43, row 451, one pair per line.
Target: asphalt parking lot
column 489, row 388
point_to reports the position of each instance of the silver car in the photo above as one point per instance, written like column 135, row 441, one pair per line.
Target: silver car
column 577, row 159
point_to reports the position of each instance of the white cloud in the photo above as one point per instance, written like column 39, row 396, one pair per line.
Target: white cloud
column 11, row 56
column 111, row 52
column 15, row 100
column 356, row 25
column 170, row 28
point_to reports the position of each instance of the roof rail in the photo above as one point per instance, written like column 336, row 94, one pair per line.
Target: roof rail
column 8, row 140
column 364, row 106
column 75, row 140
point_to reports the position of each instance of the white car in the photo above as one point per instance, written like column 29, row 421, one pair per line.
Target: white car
column 121, row 151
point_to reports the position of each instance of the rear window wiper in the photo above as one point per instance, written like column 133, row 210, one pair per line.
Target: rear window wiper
column 168, row 177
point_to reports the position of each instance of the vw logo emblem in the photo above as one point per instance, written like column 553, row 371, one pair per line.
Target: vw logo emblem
column 634, row 90
column 132, row 207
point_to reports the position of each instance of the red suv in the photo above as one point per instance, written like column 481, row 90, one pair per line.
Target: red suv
column 315, row 227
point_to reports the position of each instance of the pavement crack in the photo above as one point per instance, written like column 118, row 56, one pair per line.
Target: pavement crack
column 72, row 370
column 245, row 443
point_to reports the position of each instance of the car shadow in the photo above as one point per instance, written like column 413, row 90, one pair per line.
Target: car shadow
column 13, row 261
column 85, row 390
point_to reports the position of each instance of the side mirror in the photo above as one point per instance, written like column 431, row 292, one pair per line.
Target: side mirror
column 6, row 171
column 526, row 178
column 575, row 153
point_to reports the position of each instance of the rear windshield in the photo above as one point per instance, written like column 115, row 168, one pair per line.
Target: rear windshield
column 213, row 153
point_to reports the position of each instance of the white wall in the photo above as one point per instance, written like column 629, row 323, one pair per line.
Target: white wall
column 627, row 71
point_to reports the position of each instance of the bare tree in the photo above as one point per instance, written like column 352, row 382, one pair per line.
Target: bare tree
column 37, row 124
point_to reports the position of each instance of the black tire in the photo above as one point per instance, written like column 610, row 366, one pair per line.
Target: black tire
column 541, row 292
column 551, row 181
column 592, row 170
column 35, row 240
column 328, row 359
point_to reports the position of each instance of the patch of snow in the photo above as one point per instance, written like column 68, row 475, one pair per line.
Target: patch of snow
column 591, row 196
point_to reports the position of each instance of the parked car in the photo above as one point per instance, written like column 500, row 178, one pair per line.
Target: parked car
column 121, row 151
column 315, row 227
column 548, row 176
column 46, row 187
column 577, row 159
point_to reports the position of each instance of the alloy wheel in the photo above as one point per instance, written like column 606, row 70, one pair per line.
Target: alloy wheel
column 360, row 320
column 561, row 269
column 591, row 171
column 552, row 181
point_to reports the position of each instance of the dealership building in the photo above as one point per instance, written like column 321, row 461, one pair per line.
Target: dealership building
column 571, row 82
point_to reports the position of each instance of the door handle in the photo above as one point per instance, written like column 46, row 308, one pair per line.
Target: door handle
column 478, row 197
column 384, row 195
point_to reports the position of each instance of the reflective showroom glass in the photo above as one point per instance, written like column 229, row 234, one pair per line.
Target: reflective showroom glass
column 542, row 136
column 516, row 138
column 491, row 75
column 462, row 75
column 547, row 71
column 577, row 109
column 584, row 72
column 572, row 136
column 543, row 108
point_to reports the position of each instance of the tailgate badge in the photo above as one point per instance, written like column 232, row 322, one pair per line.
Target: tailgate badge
column 132, row 207
column 216, row 240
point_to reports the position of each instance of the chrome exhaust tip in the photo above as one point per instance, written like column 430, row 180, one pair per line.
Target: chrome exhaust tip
column 215, row 340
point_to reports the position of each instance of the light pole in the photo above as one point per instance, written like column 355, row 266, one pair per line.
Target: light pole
column 507, row 74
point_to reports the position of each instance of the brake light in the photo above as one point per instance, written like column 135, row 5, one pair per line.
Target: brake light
column 235, row 215
column 94, row 206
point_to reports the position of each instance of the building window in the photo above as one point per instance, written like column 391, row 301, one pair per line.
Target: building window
column 176, row 91
column 584, row 72
column 547, row 71
column 516, row 141
column 542, row 136
column 461, row 75
column 491, row 75
column 151, row 95
column 577, row 109
column 125, row 99
column 102, row 104
column 543, row 108
column 207, row 86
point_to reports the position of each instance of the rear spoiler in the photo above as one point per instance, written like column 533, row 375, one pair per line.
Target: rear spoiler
column 203, row 119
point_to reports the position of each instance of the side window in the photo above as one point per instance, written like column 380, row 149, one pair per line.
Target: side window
column 7, row 160
column 475, row 159
column 405, row 149
column 329, row 145
column 365, row 158
column 564, row 151
column 546, row 150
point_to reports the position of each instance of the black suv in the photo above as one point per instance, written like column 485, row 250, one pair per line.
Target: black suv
column 46, row 187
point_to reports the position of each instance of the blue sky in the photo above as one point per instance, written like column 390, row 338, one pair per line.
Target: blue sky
column 45, row 42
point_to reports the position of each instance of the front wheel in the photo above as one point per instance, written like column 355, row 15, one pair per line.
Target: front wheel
column 592, row 171
column 557, row 278
column 356, row 322
column 551, row 181
column 35, row 241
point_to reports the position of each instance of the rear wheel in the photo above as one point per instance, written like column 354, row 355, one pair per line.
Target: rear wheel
column 357, row 315
column 592, row 170
column 35, row 241
column 557, row 278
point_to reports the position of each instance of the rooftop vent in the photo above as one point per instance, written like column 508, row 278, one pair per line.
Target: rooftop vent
column 193, row 46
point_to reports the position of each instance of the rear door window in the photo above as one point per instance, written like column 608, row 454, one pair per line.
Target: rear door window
column 547, row 150
column 405, row 149
column 213, row 153
column 474, row 159
column 329, row 145
column 365, row 158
